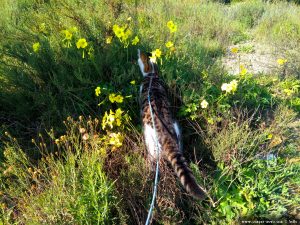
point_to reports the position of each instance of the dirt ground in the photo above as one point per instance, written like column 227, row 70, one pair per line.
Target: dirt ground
column 255, row 57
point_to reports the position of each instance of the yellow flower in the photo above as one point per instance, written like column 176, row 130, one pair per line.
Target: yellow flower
column 270, row 136
column 97, row 91
column 169, row 44
column 112, row 119
column 36, row 47
column 126, row 35
column 132, row 82
column 243, row 70
column 68, row 34
column 81, row 43
column 116, row 139
column 204, row 104
column 119, row 31
column 281, row 61
column 111, row 97
column 172, row 27
column 155, row 54
column 234, row 50
column 115, row 98
column 109, row 39
column 119, row 98
column 135, row 40
column 170, row 23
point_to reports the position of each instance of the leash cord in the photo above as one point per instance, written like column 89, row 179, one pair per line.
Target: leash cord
column 157, row 158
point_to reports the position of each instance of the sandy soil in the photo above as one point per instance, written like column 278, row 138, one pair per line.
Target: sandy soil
column 255, row 57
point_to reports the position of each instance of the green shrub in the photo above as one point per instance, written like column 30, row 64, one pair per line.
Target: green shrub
column 248, row 13
column 68, row 186
column 280, row 25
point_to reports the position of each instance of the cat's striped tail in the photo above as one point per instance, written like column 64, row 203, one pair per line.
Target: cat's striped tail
column 185, row 175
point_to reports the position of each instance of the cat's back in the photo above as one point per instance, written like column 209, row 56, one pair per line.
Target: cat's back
column 154, row 89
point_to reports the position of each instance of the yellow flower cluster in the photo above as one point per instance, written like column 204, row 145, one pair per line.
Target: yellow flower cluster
column 115, row 98
column 112, row 119
column 231, row 87
column 123, row 33
column 155, row 54
column 172, row 27
column 68, row 35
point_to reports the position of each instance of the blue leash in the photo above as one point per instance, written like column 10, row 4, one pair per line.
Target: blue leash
column 157, row 158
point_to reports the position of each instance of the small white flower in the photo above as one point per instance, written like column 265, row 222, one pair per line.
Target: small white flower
column 204, row 104
column 224, row 87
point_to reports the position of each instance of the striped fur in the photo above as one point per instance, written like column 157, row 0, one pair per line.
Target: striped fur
column 167, row 129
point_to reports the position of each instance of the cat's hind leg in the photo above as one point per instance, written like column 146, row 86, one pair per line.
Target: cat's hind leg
column 150, row 139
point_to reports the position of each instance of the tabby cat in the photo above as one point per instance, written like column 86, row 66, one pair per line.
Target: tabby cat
column 167, row 129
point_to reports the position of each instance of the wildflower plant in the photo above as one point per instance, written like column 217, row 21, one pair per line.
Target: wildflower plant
column 82, row 44
column 124, row 34
column 67, row 38
column 115, row 98
column 156, row 54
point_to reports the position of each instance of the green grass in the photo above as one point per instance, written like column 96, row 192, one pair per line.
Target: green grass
column 63, row 162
